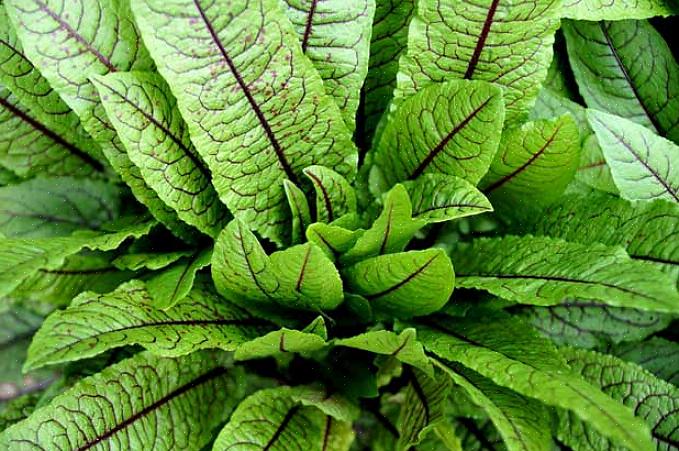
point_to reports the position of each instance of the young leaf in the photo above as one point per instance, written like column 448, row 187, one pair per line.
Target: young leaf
column 534, row 165
column 174, row 283
column 47, row 207
column 262, row 90
column 626, row 68
column 335, row 36
column 438, row 198
column 283, row 341
column 504, row 42
column 406, row 284
column 334, row 195
column 451, row 128
column 595, row 10
column 641, row 161
column 546, row 271
column 333, row 239
column 654, row 400
column 143, row 112
column 299, row 210
column 95, row 323
column 151, row 261
column 657, row 355
column 182, row 401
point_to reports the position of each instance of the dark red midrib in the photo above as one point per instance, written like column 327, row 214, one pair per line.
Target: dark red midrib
column 248, row 95
column 419, row 393
column 485, row 31
column 440, row 146
column 387, row 230
column 75, row 35
column 185, row 271
column 187, row 151
column 629, row 80
column 324, row 193
column 89, row 160
column 204, row 378
column 281, row 427
column 309, row 25
column 326, row 432
column 523, row 167
column 302, row 271
column 395, row 287
column 15, row 51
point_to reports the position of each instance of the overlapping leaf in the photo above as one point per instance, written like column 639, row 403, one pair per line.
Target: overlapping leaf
column 335, row 197
column 657, row 355
column 594, row 10
column 285, row 341
column 17, row 325
column 174, row 283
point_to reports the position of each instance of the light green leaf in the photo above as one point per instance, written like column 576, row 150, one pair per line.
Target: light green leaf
column 505, row 42
column 144, row 113
column 335, row 36
column 337, row 435
column 595, row 10
column 657, row 355
column 174, row 283
column 640, row 160
column 438, row 198
column 182, row 401
column 95, row 323
column 546, row 271
column 299, row 210
column 85, row 51
column 152, row 261
column 406, row 284
column 625, row 68
column 233, row 83
column 593, row 170
column 533, row 166
column 452, row 128
column 281, row 342
column 654, row 400
column 334, row 240
column 493, row 352
column 57, row 206
column 404, row 347
column 334, row 195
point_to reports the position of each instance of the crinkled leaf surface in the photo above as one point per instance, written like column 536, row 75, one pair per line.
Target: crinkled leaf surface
column 17, row 324
column 248, row 93
column 335, row 197
column 333, row 239
column 657, row 355
column 299, row 210
column 594, row 10
column 182, row 401
column 149, row 260
column 284, row 341
column 174, row 283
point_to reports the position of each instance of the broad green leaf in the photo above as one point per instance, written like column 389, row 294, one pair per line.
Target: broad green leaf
column 451, row 128
column 546, row 271
column 182, row 401
column 404, row 347
column 335, row 36
column 151, row 261
column 337, row 435
column 405, row 284
column 334, row 195
column 593, row 170
column 46, row 207
column 493, row 352
column 389, row 39
column 33, row 91
column 653, row 400
column 657, row 355
column 595, row 10
column 175, row 282
column 625, row 68
column 391, row 231
column 641, row 162
column 299, row 210
column 505, row 42
column 84, row 50
column 588, row 324
column 281, row 342
column 438, row 198
column 144, row 113
column 423, row 407
column 94, row 323
column 533, row 166
column 17, row 326
column 334, row 240
column 522, row 422
column 247, row 95
column 21, row 258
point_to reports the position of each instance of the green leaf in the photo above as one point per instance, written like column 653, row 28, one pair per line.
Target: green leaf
column 438, row 198
column 334, row 195
column 404, row 347
column 640, row 160
column 657, row 355
column 522, row 422
column 491, row 349
column 260, row 87
column 406, row 284
column 95, row 323
column 534, row 165
column 335, row 36
column 595, row 10
column 654, row 400
column 18, row 409
column 452, row 128
column 8, row 177
column 17, row 325
column 625, row 68
column 181, row 402
column 505, row 42
column 174, row 283
column 47, row 207
column 546, row 271
column 144, row 113
column 593, row 170
column 151, row 261
column 333, row 239
column 299, row 210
